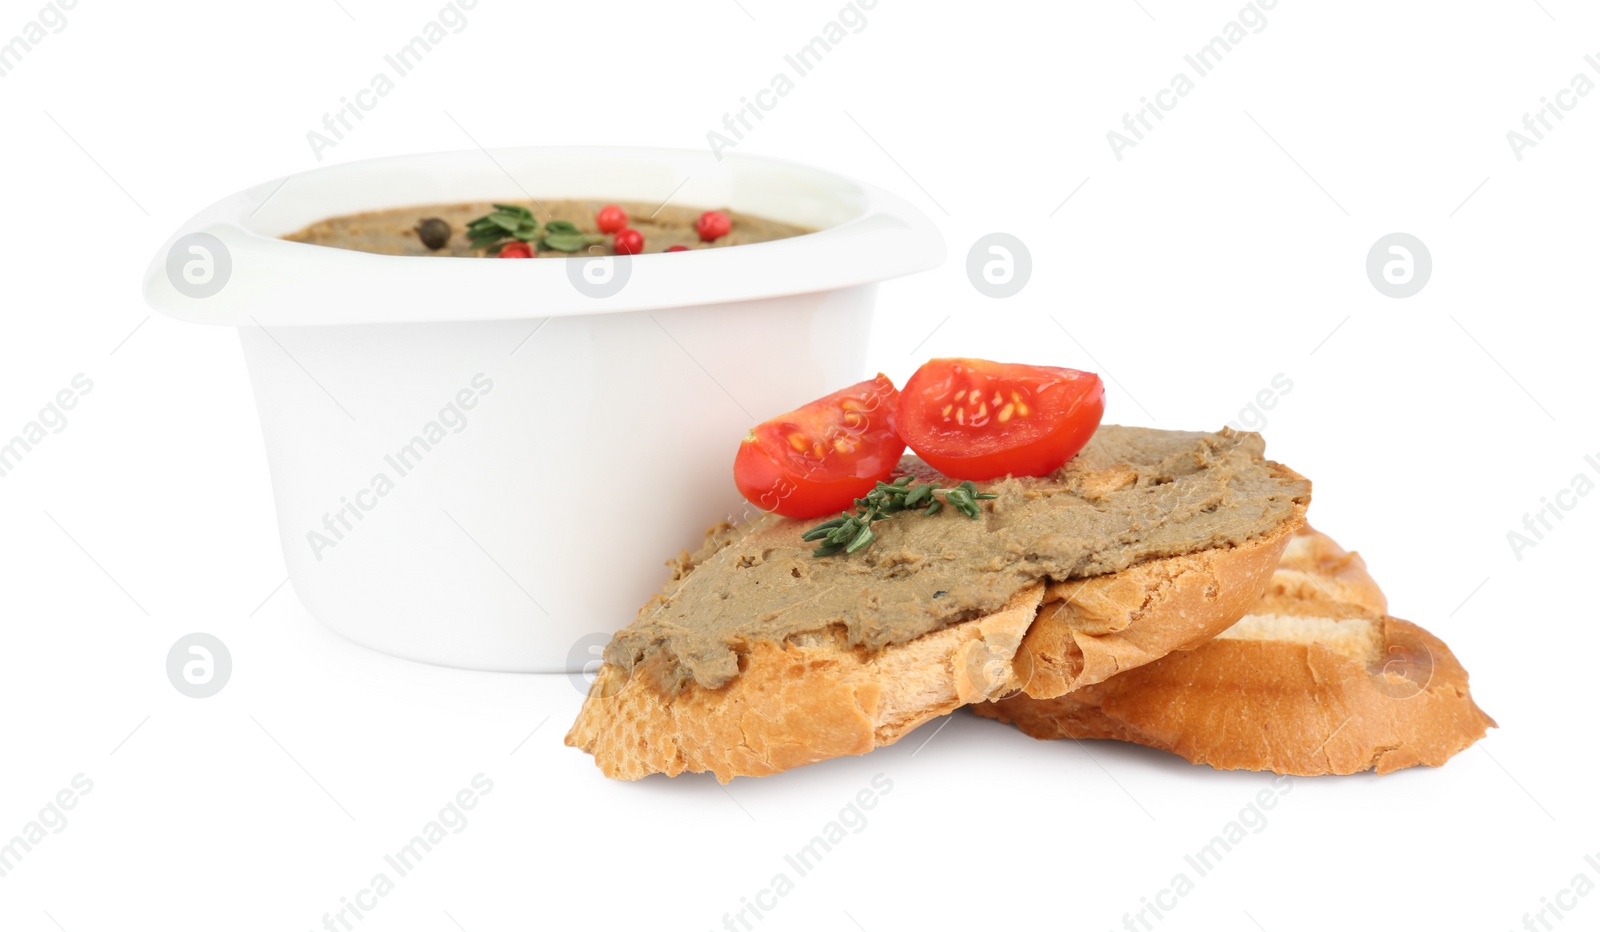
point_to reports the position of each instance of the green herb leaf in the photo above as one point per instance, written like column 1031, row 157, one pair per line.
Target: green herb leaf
column 571, row 242
column 822, row 530
column 844, row 532
column 565, row 242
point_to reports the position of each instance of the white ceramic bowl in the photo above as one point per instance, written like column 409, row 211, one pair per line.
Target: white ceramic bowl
column 571, row 439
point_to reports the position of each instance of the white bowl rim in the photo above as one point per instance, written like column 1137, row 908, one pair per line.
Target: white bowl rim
column 278, row 282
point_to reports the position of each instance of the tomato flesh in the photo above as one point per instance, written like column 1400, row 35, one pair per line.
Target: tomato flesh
column 976, row 419
column 821, row 457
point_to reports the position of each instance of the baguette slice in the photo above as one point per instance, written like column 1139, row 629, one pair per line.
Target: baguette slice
column 816, row 696
column 1318, row 679
column 799, row 702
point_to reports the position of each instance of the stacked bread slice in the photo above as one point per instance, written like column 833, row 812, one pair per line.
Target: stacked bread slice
column 1316, row 679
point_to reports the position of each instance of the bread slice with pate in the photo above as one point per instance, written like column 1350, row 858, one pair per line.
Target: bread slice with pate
column 758, row 656
column 1316, row 679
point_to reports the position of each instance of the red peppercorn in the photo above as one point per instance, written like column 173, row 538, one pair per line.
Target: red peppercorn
column 611, row 219
column 712, row 225
column 628, row 242
column 516, row 249
column 677, row 249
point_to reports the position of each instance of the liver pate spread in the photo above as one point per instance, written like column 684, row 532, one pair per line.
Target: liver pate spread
column 393, row 232
column 1132, row 495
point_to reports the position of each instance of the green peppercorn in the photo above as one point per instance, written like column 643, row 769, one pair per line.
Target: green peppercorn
column 434, row 233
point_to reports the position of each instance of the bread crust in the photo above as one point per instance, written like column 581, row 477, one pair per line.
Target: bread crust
column 1092, row 629
column 1292, row 707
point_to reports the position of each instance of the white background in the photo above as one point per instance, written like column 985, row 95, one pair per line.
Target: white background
column 1226, row 248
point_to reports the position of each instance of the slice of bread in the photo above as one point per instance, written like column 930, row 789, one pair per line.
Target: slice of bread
column 1318, row 679
column 817, row 695
column 800, row 702
column 1091, row 629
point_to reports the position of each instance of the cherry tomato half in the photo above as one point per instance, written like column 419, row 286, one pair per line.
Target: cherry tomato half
column 818, row 459
column 975, row 419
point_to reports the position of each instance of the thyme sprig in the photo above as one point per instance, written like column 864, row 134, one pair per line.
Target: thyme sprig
column 853, row 532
